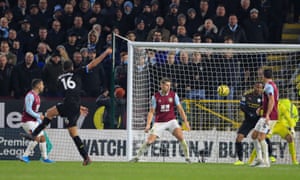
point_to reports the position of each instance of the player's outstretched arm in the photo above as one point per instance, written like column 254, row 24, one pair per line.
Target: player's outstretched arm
column 98, row 59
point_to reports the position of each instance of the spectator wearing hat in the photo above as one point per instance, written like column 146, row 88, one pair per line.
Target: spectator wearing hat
column 26, row 35
column 192, row 21
column 140, row 31
column 220, row 19
column 56, row 35
column 256, row 29
column 160, row 25
column 171, row 18
column 52, row 69
column 57, row 13
column 85, row 54
column 129, row 14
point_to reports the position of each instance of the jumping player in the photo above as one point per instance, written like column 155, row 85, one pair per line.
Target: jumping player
column 70, row 81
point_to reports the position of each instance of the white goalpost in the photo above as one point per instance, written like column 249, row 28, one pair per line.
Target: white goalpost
column 196, row 71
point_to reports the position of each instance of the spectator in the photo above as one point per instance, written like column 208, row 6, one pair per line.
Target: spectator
column 171, row 18
column 71, row 44
column 77, row 60
column 182, row 34
column 4, row 6
column 159, row 26
column 35, row 17
column 5, row 50
column 197, row 38
column 193, row 21
column 45, row 13
column 108, row 12
column 23, row 74
column 147, row 16
column 129, row 15
column 26, row 35
column 155, row 8
column 234, row 30
column 243, row 11
column 68, row 15
column 42, row 36
column 85, row 12
column 85, row 54
column 208, row 29
column 93, row 43
column 63, row 53
column 42, row 54
column 56, row 35
column 120, row 109
column 140, row 31
column 220, row 19
column 120, row 22
column 52, row 69
column 204, row 11
column 256, row 30
column 79, row 30
column 19, row 12
column 4, row 29
column 5, row 76
column 96, row 16
column 10, row 18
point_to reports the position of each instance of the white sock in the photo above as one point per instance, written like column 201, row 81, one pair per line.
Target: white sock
column 265, row 152
column 43, row 149
column 30, row 148
column 185, row 149
column 257, row 146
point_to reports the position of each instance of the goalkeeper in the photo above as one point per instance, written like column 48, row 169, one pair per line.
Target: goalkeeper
column 288, row 117
column 249, row 103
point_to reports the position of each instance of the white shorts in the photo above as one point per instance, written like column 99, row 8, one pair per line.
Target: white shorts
column 262, row 127
column 30, row 126
column 159, row 127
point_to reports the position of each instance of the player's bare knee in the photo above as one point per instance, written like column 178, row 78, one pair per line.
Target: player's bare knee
column 42, row 139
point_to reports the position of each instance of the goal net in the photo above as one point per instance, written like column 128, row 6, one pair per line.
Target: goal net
column 196, row 71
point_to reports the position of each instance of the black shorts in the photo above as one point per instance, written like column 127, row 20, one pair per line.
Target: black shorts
column 69, row 110
column 246, row 127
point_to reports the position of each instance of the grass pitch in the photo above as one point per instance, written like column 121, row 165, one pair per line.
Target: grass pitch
column 143, row 170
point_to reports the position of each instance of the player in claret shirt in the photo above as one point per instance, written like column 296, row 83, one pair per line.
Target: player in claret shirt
column 163, row 105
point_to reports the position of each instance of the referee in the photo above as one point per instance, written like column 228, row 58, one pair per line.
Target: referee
column 249, row 103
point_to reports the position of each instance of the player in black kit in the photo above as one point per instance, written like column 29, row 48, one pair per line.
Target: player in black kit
column 71, row 108
column 249, row 103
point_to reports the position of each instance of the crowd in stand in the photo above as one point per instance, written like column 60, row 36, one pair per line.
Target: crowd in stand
column 37, row 36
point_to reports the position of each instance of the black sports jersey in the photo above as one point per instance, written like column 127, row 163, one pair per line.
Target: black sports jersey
column 71, row 85
column 249, row 103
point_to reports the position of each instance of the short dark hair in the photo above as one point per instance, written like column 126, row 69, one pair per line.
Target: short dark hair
column 165, row 80
column 268, row 73
column 67, row 65
column 35, row 82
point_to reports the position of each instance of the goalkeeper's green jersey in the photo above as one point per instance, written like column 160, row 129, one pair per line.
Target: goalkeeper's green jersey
column 288, row 113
